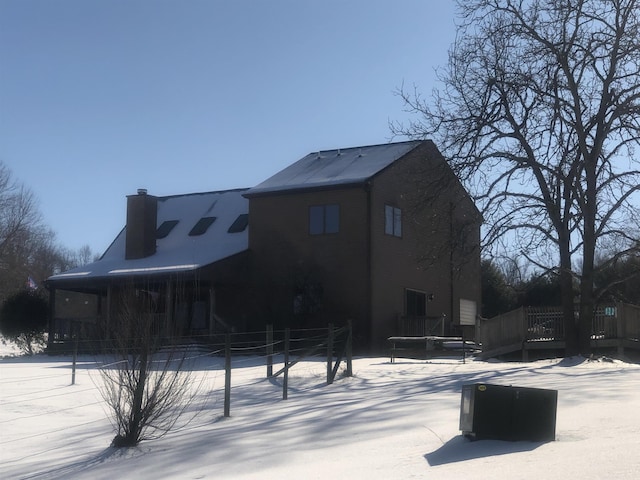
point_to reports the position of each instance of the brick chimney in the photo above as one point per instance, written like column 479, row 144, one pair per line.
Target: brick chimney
column 142, row 212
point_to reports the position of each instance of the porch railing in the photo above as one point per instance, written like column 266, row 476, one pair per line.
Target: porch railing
column 538, row 324
column 421, row 326
column 631, row 324
column 506, row 329
column 67, row 329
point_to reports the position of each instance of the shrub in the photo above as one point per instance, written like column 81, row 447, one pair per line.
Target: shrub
column 23, row 320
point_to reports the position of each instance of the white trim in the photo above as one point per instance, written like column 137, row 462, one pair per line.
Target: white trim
column 191, row 266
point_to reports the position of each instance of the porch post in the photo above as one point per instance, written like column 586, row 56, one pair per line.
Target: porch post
column 108, row 313
column 168, row 317
column 52, row 315
column 212, row 310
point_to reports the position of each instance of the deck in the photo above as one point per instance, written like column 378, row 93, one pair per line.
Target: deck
column 615, row 328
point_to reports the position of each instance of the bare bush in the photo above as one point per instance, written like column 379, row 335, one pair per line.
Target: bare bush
column 151, row 383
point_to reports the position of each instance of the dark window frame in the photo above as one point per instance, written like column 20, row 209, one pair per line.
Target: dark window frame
column 240, row 224
column 324, row 219
column 166, row 228
column 392, row 220
column 201, row 226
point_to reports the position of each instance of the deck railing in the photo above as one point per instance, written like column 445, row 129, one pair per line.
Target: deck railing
column 538, row 324
column 544, row 323
column 66, row 329
column 421, row 326
column 505, row 329
column 631, row 325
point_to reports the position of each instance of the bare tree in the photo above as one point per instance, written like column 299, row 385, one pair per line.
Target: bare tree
column 28, row 247
column 539, row 114
column 150, row 384
column 20, row 222
column 18, row 209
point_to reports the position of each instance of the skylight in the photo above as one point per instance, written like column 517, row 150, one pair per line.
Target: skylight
column 201, row 227
column 166, row 227
column 240, row 223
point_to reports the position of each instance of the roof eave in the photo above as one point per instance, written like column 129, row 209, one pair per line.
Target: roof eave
column 303, row 189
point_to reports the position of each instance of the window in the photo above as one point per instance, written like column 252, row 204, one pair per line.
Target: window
column 392, row 221
column 415, row 303
column 202, row 226
column 324, row 219
column 240, row 224
column 165, row 228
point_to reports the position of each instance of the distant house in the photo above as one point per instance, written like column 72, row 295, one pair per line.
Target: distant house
column 383, row 235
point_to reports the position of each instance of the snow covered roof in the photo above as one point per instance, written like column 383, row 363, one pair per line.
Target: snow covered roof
column 328, row 168
column 178, row 251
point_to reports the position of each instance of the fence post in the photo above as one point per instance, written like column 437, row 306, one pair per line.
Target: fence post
column 285, row 377
column 75, row 360
column 227, row 375
column 330, row 355
column 269, row 351
column 464, row 349
column 349, row 353
column 621, row 334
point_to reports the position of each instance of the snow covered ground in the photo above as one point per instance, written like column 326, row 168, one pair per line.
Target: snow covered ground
column 388, row 421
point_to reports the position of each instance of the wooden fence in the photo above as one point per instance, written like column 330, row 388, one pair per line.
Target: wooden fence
column 530, row 328
column 333, row 344
column 336, row 343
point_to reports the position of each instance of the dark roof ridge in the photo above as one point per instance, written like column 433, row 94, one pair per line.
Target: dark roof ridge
column 366, row 146
column 176, row 195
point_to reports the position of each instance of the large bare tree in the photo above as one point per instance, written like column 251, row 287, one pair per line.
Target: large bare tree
column 539, row 113
column 19, row 221
column 28, row 248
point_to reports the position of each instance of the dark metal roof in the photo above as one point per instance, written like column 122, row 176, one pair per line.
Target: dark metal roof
column 331, row 168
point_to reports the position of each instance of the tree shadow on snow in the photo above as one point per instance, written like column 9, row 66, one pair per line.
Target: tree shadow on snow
column 460, row 449
column 88, row 463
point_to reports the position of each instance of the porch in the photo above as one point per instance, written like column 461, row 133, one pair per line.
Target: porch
column 615, row 328
column 82, row 320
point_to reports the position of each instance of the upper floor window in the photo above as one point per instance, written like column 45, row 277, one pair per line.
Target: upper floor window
column 392, row 221
column 324, row 219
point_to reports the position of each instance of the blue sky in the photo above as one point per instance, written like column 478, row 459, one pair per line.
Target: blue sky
column 101, row 97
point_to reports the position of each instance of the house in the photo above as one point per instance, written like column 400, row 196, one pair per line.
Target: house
column 188, row 251
column 382, row 235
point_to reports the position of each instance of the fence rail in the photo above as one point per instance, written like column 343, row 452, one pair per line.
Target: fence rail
column 332, row 343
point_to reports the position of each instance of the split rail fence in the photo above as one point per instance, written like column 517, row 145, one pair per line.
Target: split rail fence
column 333, row 345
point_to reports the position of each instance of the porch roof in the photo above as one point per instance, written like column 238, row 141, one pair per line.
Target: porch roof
column 179, row 251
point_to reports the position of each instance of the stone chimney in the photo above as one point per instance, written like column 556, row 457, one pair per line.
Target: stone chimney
column 142, row 212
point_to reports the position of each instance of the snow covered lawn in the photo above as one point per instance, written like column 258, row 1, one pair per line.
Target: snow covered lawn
column 388, row 421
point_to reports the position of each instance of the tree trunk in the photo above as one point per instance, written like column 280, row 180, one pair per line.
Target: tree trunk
column 566, row 287
column 571, row 331
column 587, row 301
column 589, row 237
column 136, row 423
